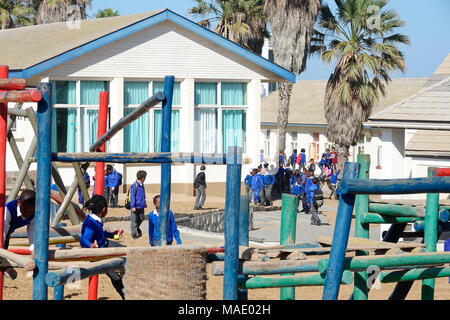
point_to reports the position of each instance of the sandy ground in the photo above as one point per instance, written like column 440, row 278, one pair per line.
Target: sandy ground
column 21, row 287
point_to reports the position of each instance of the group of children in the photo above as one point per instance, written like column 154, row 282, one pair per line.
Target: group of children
column 258, row 185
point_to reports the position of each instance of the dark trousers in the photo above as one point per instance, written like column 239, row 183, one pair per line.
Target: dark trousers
column 137, row 217
column 268, row 194
column 113, row 197
column 201, row 197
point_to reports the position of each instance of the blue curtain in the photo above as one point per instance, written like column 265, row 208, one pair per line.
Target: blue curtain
column 135, row 93
column 71, row 130
column 159, row 86
column 174, row 131
column 92, row 127
column 136, row 134
column 233, row 129
column 205, row 93
column 234, row 93
column 90, row 91
column 205, row 133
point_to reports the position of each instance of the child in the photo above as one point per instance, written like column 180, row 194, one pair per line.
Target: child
column 293, row 159
column 333, row 181
column 93, row 235
column 268, row 181
column 87, row 182
column 113, row 185
column 297, row 188
column 248, row 185
column 257, row 185
column 301, row 159
column 334, row 158
column 138, row 204
column 308, row 182
column 312, row 201
column 294, row 178
column 322, row 165
column 280, row 177
column 20, row 213
column 200, row 185
column 311, row 166
column 172, row 230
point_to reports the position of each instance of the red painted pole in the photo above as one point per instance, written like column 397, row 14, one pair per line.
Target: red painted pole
column 4, row 73
column 31, row 95
column 442, row 172
column 99, row 175
column 12, row 84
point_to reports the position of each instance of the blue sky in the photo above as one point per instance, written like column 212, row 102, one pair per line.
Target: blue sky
column 427, row 25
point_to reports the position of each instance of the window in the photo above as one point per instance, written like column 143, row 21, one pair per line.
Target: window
column 294, row 142
column 233, row 129
column 64, row 119
column 136, row 134
column 267, row 144
column 314, row 152
column 205, row 93
column 233, row 93
column 174, row 130
column 159, row 86
column 205, row 132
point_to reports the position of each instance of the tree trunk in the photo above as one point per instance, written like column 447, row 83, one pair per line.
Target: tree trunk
column 284, row 95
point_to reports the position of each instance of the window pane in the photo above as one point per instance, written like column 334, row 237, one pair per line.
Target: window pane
column 205, row 93
column 64, row 92
column 135, row 92
column 159, row 86
column 205, row 130
column 136, row 134
column 234, row 93
column 92, row 127
column 233, row 129
column 174, row 131
column 90, row 91
column 64, row 130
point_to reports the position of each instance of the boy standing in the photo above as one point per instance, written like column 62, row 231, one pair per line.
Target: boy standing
column 333, row 181
column 138, row 204
column 200, row 185
column 172, row 230
column 248, row 185
column 113, row 185
column 257, row 185
column 297, row 189
column 334, row 158
column 268, row 181
column 301, row 159
column 313, row 201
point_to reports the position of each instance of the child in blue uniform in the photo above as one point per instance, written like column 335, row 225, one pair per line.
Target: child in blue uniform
column 256, row 186
column 268, row 181
column 333, row 181
column 248, row 185
column 93, row 235
column 113, row 185
column 315, row 220
column 297, row 189
column 138, row 204
column 172, row 230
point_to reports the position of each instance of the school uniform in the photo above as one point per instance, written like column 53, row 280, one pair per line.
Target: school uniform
column 293, row 180
column 333, row 181
column 256, row 186
column 87, row 182
column 268, row 181
column 113, row 180
column 14, row 220
column 139, row 203
column 294, row 160
column 248, row 185
column 92, row 230
column 312, row 205
column 322, row 164
column 172, row 230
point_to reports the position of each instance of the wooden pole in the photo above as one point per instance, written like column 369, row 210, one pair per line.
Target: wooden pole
column 231, row 223
column 58, row 291
column 341, row 234
column 4, row 74
column 12, row 84
column 360, row 291
column 242, row 293
column 287, row 234
column 43, row 183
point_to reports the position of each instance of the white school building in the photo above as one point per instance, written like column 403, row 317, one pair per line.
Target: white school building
column 409, row 129
column 217, row 94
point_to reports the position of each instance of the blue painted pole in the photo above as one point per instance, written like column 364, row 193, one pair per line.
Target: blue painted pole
column 164, row 204
column 244, row 211
column 58, row 291
column 231, row 223
column 340, row 236
column 43, row 184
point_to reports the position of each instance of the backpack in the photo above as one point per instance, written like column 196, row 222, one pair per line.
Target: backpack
column 128, row 198
column 318, row 197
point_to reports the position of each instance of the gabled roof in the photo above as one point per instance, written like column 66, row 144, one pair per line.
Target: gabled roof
column 430, row 105
column 307, row 101
column 31, row 50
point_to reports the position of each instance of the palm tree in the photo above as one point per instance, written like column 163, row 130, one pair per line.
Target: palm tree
column 292, row 23
column 58, row 10
column 15, row 13
column 108, row 12
column 241, row 21
column 361, row 39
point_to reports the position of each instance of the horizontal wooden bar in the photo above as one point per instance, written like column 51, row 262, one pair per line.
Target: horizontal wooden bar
column 269, row 267
column 378, row 218
column 397, row 210
column 292, row 281
column 414, row 274
column 32, row 95
column 60, row 277
column 395, row 186
column 12, row 84
column 17, row 112
column 53, row 232
column 129, row 118
column 419, row 226
column 398, row 260
column 51, row 241
column 132, row 157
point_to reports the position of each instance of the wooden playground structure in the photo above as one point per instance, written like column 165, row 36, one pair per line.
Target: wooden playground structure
column 243, row 267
